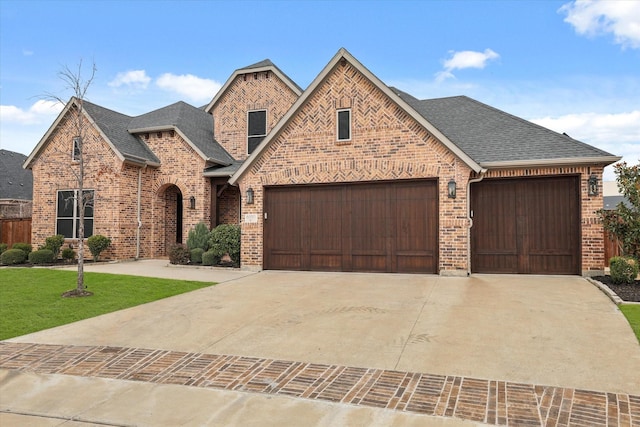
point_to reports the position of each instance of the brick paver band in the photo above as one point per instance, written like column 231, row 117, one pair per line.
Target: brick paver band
column 487, row 401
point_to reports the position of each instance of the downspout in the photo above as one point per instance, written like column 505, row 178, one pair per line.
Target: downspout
column 470, row 217
column 139, row 214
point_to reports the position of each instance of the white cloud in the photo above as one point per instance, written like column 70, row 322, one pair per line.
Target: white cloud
column 194, row 88
column 465, row 59
column 26, row 52
column 137, row 79
column 618, row 134
column 41, row 111
column 596, row 17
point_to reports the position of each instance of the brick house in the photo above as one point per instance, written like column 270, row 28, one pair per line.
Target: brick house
column 347, row 175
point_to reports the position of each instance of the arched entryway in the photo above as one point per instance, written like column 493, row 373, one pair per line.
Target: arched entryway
column 170, row 224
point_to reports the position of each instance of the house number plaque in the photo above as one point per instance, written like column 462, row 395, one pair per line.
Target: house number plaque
column 250, row 218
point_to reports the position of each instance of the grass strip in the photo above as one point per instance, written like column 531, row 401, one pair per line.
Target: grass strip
column 632, row 313
column 30, row 298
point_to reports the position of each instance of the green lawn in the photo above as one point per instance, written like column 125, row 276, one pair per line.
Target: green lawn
column 632, row 313
column 30, row 298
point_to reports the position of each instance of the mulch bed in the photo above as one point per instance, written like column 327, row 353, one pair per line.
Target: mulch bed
column 627, row 292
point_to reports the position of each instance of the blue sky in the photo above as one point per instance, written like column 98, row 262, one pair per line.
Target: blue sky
column 572, row 66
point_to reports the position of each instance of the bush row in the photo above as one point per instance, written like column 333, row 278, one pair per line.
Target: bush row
column 50, row 251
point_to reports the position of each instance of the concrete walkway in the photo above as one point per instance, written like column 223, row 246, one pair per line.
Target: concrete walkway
column 483, row 339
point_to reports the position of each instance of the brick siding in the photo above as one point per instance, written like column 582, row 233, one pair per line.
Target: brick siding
column 262, row 91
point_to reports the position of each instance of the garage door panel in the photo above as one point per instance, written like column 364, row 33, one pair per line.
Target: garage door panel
column 550, row 263
column 498, row 263
column 284, row 233
column 378, row 227
column 369, row 220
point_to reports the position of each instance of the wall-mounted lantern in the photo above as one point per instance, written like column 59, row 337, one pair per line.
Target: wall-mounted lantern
column 451, row 189
column 192, row 202
column 250, row 196
column 593, row 185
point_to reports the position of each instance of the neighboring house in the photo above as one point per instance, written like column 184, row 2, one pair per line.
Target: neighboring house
column 347, row 175
column 16, row 186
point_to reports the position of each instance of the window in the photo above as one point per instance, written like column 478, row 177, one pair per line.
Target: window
column 75, row 156
column 68, row 217
column 344, row 125
column 256, row 128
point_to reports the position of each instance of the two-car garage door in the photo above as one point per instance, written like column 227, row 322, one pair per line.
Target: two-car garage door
column 381, row 227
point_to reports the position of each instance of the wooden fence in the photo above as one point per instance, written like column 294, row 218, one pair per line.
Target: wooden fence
column 15, row 230
column 611, row 248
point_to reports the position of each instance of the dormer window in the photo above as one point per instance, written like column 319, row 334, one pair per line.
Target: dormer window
column 75, row 155
column 344, row 125
column 256, row 128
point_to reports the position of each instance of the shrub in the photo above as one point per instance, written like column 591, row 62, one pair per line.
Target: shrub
column 180, row 255
column 3, row 247
column 41, row 256
column 68, row 254
column 623, row 269
column 24, row 247
column 98, row 243
column 209, row 258
column 13, row 256
column 54, row 243
column 199, row 237
column 196, row 255
column 225, row 239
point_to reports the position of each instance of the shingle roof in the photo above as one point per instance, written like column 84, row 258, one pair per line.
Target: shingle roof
column 15, row 182
column 612, row 202
column 194, row 123
column 114, row 125
column 224, row 171
column 489, row 135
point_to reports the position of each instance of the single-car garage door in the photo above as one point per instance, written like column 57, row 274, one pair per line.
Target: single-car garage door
column 383, row 227
column 529, row 226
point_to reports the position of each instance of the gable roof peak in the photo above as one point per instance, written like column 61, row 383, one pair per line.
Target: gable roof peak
column 264, row 65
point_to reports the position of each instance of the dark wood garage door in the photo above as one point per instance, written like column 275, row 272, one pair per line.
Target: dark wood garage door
column 384, row 227
column 529, row 226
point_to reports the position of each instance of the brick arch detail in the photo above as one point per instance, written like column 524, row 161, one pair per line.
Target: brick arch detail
column 159, row 186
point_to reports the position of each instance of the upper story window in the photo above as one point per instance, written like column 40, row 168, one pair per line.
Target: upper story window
column 344, row 125
column 256, row 128
column 75, row 155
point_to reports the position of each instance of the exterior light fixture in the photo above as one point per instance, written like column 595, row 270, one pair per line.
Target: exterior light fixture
column 451, row 189
column 250, row 196
column 192, row 202
column 593, row 185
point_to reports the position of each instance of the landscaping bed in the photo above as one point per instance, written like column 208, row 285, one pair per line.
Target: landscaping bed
column 626, row 292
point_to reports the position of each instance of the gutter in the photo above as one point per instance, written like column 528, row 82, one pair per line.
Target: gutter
column 550, row 162
column 139, row 214
column 470, row 217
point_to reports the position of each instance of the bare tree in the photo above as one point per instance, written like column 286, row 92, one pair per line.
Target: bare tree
column 79, row 86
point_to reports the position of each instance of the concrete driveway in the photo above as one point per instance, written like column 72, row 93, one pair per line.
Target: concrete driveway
column 557, row 332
